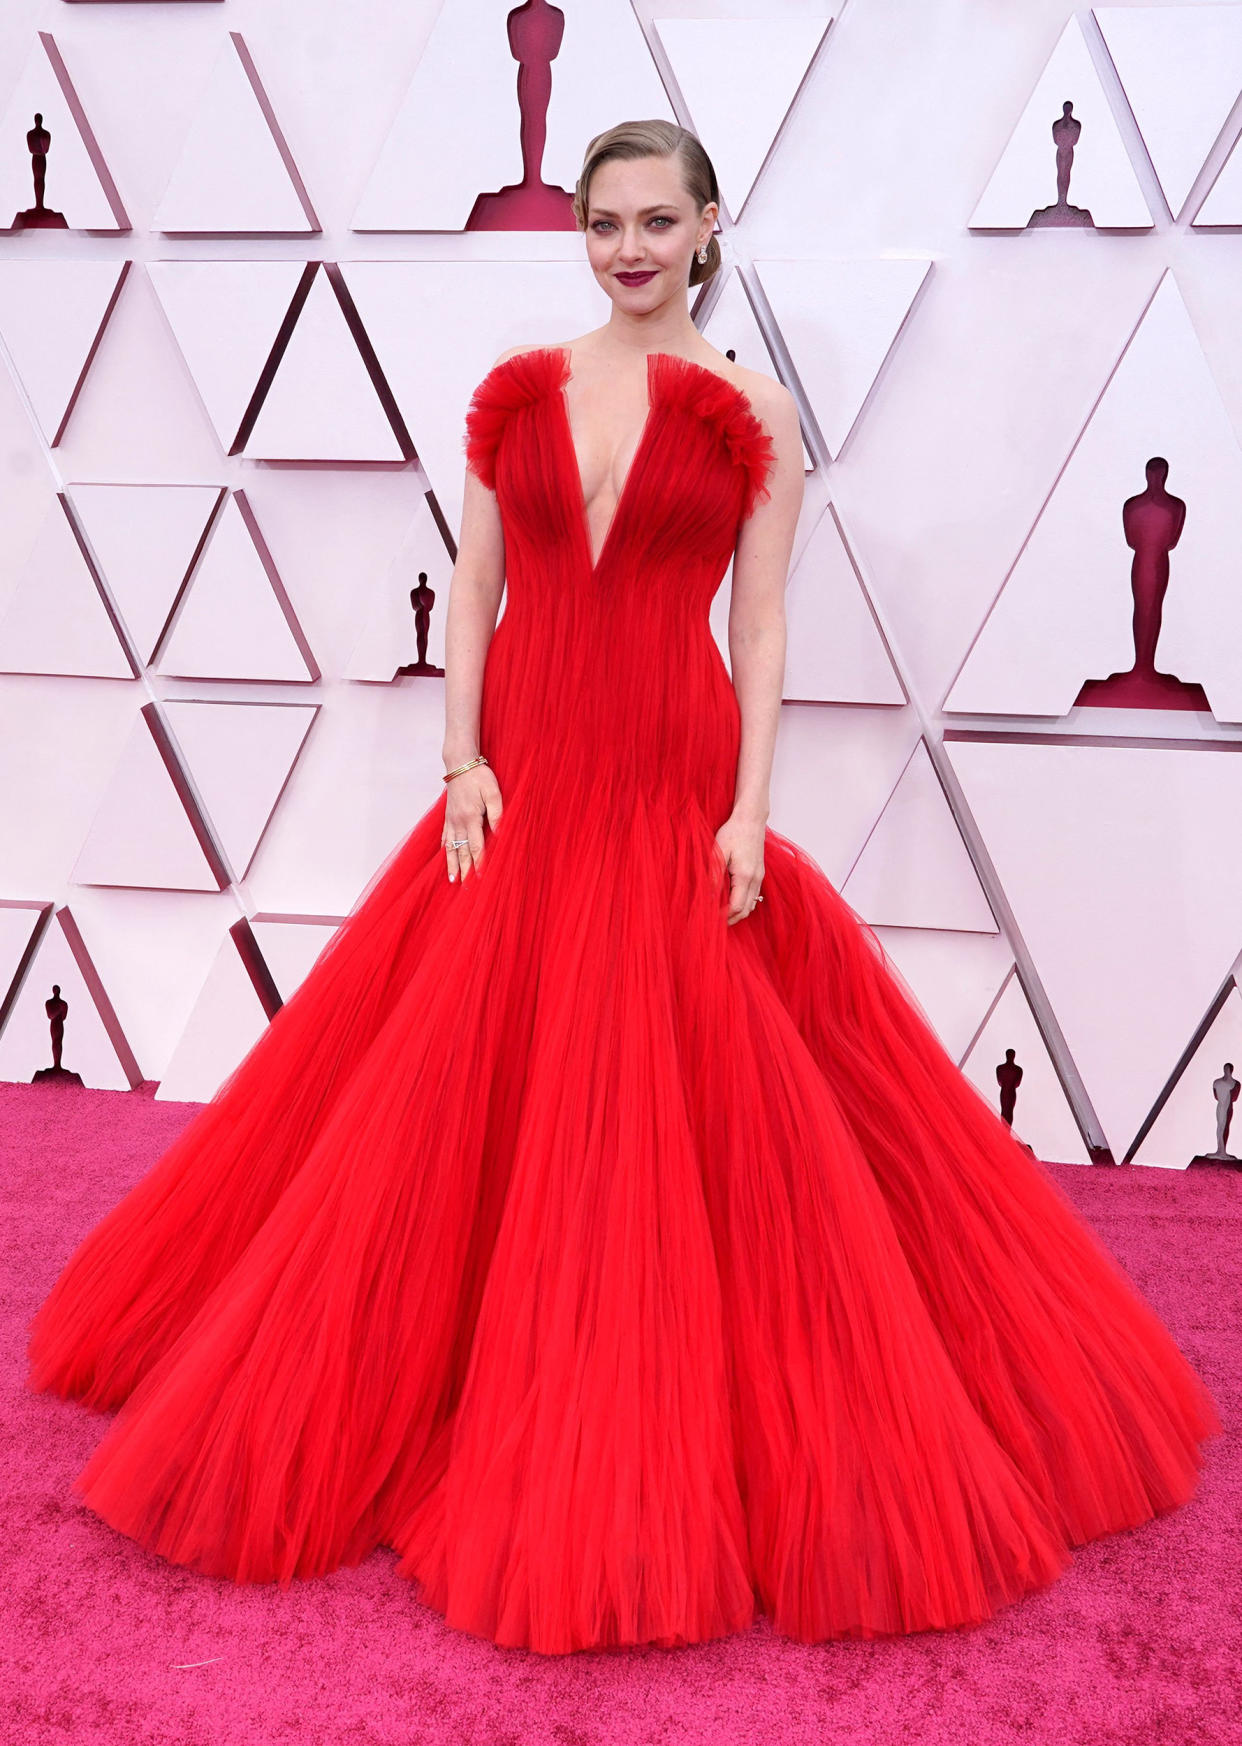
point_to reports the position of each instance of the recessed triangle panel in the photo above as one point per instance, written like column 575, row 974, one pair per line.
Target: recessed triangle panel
column 1067, row 612
column 152, row 950
column 78, row 192
column 1042, row 1117
column 143, row 539
column 839, row 321
column 143, row 832
column 235, row 174
column 239, row 756
column 332, row 831
column 1120, row 867
column 834, row 651
column 52, row 317
column 1100, row 188
column 1191, row 1123
column 739, row 77
column 19, row 924
column 414, row 593
column 55, row 620
column 225, row 317
column 952, row 977
column 832, row 772
column 322, row 404
column 732, row 329
column 235, row 620
column 92, row 1044
column 227, row 1021
column 1181, row 68
column 1223, row 204
column 291, row 947
column 915, row 871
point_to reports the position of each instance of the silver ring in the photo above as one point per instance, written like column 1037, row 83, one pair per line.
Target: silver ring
column 459, row 843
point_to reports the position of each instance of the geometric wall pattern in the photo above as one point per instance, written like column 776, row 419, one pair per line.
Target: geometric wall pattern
column 996, row 269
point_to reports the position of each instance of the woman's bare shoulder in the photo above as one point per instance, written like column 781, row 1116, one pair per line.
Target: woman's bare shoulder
column 769, row 398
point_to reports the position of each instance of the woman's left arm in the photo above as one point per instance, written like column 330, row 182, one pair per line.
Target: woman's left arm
column 757, row 645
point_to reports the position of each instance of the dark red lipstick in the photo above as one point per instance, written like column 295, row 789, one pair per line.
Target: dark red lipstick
column 636, row 278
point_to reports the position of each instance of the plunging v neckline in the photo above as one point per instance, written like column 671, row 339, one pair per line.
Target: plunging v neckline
column 597, row 558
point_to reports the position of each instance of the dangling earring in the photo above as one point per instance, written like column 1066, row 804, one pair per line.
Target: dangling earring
column 702, row 256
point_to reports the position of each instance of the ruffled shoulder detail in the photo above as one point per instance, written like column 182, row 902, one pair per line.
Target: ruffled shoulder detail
column 710, row 395
column 511, row 384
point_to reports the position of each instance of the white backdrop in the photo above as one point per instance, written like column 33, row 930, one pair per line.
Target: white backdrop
column 232, row 387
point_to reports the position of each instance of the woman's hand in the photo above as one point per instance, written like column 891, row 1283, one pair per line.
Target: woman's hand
column 472, row 796
column 740, row 839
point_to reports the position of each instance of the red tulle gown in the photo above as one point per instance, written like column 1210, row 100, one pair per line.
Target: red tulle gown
column 629, row 1273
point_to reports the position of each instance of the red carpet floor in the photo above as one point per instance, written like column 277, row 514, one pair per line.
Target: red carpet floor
column 1139, row 1643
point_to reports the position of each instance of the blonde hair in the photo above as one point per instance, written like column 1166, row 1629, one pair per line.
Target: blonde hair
column 656, row 139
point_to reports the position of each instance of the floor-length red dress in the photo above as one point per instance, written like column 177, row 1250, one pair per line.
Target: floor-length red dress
column 629, row 1273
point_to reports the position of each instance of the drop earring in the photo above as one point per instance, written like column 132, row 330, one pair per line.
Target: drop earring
column 702, row 256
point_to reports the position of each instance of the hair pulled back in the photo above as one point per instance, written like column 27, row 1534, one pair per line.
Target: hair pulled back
column 656, row 139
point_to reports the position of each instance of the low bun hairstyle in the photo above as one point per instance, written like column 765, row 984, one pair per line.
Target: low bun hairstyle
column 656, row 139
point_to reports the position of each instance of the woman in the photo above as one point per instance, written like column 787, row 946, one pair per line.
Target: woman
column 609, row 1236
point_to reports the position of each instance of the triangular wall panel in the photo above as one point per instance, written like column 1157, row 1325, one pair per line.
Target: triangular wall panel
column 1042, row 1115
column 322, row 403
column 235, row 175
column 52, row 317
column 55, row 620
column 143, row 539
column 1102, row 180
column 839, row 321
column 739, row 78
column 1186, row 1125
column 235, row 620
column 225, row 317
column 78, row 184
column 1066, row 612
column 145, row 831
column 1119, row 866
column 239, row 757
column 93, row 1044
column 915, row 871
column 387, row 635
column 1181, row 68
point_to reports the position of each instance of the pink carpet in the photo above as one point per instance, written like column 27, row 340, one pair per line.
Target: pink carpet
column 1138, row 1642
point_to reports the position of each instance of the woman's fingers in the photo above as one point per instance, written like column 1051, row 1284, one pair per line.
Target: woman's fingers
column 743, row 896
column 463, row 839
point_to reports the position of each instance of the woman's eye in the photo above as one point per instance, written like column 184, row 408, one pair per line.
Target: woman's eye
column 599, row 224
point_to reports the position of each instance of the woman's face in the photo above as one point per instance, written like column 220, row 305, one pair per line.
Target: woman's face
column 642, row 230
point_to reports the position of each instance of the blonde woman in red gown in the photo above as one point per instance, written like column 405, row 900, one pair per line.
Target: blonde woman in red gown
column 599, row 1224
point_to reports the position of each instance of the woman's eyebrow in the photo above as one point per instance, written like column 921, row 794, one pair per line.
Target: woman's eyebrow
column 604, row 212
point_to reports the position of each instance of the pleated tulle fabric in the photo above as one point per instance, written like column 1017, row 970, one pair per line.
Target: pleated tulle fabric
column 627, row 1272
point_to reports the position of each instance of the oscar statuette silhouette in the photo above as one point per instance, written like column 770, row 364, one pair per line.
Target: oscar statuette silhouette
column 1225, row 1091
column 57, row 1009
column 1152, row 523
column 39, row 216
column 535, row 33
column 422, row 599
column 1062, row 216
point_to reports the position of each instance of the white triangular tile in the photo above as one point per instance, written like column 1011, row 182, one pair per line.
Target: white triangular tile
column 234, row 174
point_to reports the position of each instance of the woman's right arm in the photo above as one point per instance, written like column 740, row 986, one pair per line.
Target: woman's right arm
column 475, row 591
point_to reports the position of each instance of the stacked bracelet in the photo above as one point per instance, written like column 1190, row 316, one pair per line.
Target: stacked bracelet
column 470, row 766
